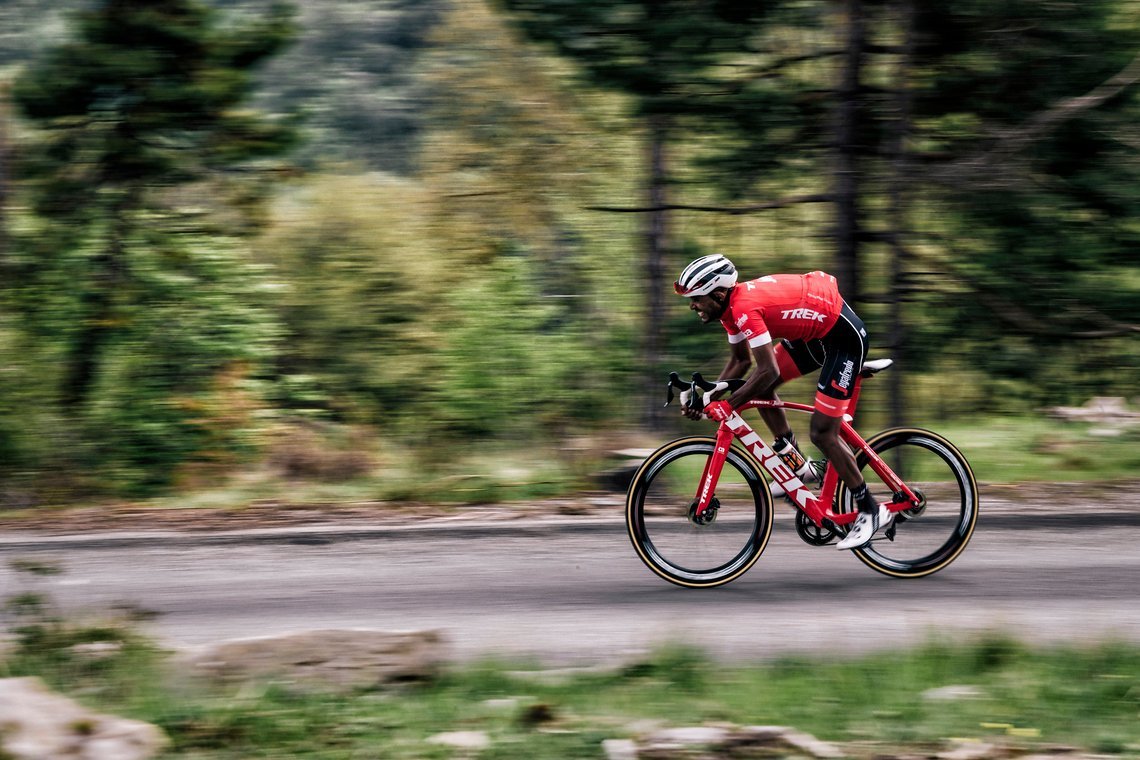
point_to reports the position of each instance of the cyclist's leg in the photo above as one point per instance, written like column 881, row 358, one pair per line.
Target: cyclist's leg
column 825, row 435
column 846, row 350
column 793, row 359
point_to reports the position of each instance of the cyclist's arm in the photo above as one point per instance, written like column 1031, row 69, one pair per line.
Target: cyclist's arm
column 739, row 362
column 763, row 379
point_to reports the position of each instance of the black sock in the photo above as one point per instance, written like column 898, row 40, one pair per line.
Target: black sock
column 862, row 498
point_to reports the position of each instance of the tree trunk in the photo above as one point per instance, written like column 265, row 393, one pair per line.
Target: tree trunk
column 5, row 163
column 898, row 196
column 847, row 229
column 656, row 248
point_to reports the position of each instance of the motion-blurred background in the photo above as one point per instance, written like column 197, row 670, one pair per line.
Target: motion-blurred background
column 420, row 249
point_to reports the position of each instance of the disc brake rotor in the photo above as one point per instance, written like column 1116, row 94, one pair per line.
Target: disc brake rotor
column 708, row 517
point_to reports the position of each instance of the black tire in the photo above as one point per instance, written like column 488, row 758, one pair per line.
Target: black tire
column 674, row 546
column 929, row 538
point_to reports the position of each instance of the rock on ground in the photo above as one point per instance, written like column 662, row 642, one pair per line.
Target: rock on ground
column 330, row 660
column 726, row 740
column 37, row 723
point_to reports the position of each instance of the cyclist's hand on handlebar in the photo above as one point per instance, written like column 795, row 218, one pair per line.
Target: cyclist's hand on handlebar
column 690, row 406
column 719, row 411
column 692, row 412
column 716, row 410
column 698, row 406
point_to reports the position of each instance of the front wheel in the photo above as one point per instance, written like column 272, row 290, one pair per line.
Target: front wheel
column 677, row 545
column 929, row 536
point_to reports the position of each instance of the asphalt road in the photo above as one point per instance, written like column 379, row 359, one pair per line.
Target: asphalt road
column 578, row 595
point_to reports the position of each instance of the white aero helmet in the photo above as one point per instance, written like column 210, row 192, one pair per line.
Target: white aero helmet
column 705, row 275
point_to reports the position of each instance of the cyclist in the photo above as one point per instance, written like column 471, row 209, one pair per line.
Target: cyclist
column 817, row 330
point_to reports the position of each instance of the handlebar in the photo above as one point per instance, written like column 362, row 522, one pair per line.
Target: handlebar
column 689, row 390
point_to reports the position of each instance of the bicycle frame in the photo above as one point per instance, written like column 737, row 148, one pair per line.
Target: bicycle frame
column 818, row 509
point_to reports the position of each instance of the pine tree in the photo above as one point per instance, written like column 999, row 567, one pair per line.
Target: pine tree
column 145, row 98
column 660, row 54
column 1023, row 114
column 143, row 176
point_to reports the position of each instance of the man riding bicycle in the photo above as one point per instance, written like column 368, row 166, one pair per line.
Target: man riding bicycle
column 817, row 330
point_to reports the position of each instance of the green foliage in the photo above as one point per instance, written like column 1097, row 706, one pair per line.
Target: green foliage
column 461, row 303
column 147, row 94
column 142, row 316
column 524, row 364
column 378, row 331
column 1038, row 194
column 177, row 378
column 655, row 51
column 179, row 383
column 356, row 285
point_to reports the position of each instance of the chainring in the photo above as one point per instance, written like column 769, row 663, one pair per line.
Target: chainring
column 812, row 534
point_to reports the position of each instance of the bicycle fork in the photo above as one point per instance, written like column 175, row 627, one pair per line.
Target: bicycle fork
column 711, row 475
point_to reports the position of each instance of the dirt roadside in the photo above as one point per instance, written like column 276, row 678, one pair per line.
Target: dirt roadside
column 997, row 498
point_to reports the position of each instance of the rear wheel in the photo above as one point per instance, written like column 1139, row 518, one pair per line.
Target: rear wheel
column 928, row 537
column 705, row 551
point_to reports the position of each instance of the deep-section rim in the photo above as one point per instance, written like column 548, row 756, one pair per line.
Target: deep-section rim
column 635, row 517
column 970, row 506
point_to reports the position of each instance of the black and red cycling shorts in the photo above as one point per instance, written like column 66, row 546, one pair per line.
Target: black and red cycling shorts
column 839, row 355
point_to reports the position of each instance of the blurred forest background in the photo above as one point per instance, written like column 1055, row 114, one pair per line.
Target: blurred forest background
column 423, row 249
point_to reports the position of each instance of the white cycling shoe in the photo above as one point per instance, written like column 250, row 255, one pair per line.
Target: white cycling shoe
column 866, row 525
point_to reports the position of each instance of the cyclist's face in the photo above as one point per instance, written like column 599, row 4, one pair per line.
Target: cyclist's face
column 708, row 307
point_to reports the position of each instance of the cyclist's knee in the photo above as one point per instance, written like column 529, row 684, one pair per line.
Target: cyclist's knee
column 824, row 430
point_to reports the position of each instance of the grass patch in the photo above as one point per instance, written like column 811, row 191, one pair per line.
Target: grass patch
column 1086, row 697
column 1011, row 450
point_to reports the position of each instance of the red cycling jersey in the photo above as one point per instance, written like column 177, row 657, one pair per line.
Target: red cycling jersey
column 792, row 306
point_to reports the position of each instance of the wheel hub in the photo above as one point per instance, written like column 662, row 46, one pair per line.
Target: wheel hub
column 708, row 517
column 918, row 508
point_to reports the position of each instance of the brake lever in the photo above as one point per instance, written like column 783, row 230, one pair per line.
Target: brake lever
column 705, row 385
column 673, row 378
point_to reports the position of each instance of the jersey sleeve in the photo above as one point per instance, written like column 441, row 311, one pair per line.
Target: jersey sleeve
column 748, row 327
column 734, row 337
column 734, row 333
column 754, row 330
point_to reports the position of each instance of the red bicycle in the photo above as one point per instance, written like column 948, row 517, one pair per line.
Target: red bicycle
column 699, row 512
